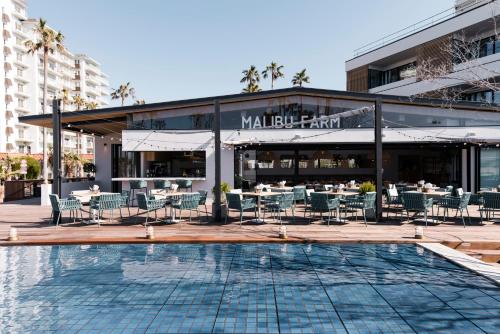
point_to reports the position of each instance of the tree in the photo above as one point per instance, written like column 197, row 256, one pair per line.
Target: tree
column 123, row 92
column 64, row 96
column 274, row 71
column 300, row 78
column 139, row 102
column 252, row 78
column 47, row 41
column 251, row 88
column 91, row 105
column 79, row 102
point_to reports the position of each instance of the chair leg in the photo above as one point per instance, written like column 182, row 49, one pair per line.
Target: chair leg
column 58, row 218
column 468, row 215
column 147, row 217
column 462, row 216
column 227, row 214
column 364, row 217
column 425, row 217
column 329, row 216
column 241, row 217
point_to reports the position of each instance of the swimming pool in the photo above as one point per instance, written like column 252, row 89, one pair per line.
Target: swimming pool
column 241, row 288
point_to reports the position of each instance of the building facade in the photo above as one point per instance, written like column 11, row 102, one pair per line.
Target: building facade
column 461, row 45
column 300, row 135
column 21, row 84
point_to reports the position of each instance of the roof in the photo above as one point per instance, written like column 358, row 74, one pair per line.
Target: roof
column 112, row 120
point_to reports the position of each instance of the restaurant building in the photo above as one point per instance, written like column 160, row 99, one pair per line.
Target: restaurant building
column 300, row 135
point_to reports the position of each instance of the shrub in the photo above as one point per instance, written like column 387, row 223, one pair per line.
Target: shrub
column 366, row 187
column 34, row 168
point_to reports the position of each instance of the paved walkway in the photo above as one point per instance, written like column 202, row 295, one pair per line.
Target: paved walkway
column 33, row 226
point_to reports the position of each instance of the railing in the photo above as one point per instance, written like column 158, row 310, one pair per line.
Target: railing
column 416, row 27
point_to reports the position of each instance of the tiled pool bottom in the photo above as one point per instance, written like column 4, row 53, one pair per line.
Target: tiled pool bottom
column 241, row 288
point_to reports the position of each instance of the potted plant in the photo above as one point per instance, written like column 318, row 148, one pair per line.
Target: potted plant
column 366, row 187
column 224, row 188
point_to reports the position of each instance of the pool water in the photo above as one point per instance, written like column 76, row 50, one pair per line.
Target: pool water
column 241, row 288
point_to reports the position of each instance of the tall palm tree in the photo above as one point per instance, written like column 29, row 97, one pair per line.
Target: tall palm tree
column 251, row 77
column 123, row 92
column 251, row 88
column 47, row 41
column 274, row 71
column 91, row 105
column 79, row 102
column 64, row 96
column 300, row 78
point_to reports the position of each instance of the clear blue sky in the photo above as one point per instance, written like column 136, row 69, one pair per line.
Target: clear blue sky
column 194, row 48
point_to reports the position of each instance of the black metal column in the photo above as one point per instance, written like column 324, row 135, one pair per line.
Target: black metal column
column 379, row 168
column 217, row 143
column 56, row 144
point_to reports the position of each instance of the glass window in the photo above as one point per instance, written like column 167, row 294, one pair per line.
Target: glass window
column 489, row 168
column 175, row 164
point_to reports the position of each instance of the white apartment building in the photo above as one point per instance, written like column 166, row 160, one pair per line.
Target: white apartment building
column 21, row 85
column 390, row 65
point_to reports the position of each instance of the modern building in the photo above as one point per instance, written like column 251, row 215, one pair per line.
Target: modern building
column 21, row 84
column 460, row 44
column 301, row 135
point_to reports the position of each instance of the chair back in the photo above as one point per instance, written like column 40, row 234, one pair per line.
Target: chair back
column 125, row 196
column 203, row 197
column 189, row 201
column 233, row 201
column 285, row 200
column 413, row 200
column 54, row 202
column 161, row 184
column 299, row 193
column 369, row 200
column 319, row 202
column 464, row 200
column 110, row 201
column 491, row 200
column 448, row 189
column 142, row 201
column 183, row 183
column 138, row 184
column 476, row 199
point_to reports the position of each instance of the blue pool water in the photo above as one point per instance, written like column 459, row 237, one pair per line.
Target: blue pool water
column 241, row 288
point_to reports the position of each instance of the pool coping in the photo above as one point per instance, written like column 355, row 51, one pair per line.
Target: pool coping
column 484, row 269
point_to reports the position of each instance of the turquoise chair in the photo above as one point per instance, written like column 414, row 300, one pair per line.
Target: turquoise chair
column 161, row 184
column 235, row 202
column 203, row 200
column 417, row 202
column 149, row 204
column 320, row 202
column 137, row 185
column 455, row 203
column 364, row 202
column 125, row 195
column 105, row 202
column 299, row 194
column 491, row 204
column 188, row 202
column 185, row 184
column 283, row 202
column 64, row 204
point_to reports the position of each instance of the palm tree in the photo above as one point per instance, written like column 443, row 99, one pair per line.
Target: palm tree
column 300, row 77
column 251, row 76
column 79, row 102
column 91, row 105
column 47, row 41
column 251, row 88
column 274, row 71
column 123, row 92
column 139, row 101
column 64, row 96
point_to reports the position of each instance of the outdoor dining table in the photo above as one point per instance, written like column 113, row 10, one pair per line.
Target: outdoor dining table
column 171, row 195
column 85, row 198
column 259, row 196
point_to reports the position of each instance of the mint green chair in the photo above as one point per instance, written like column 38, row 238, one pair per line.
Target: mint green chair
column 321, row 202
column 455, row 203
column 282, row 203
column 149, row 204
column 184, row 184
column 105, row 202
column 417, row 202
column 364, row 202
column 491, row 204
column 235, row 202
column 188, row 202
column 64, row 204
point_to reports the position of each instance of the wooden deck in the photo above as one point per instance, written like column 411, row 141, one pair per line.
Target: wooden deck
column 32, row 222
